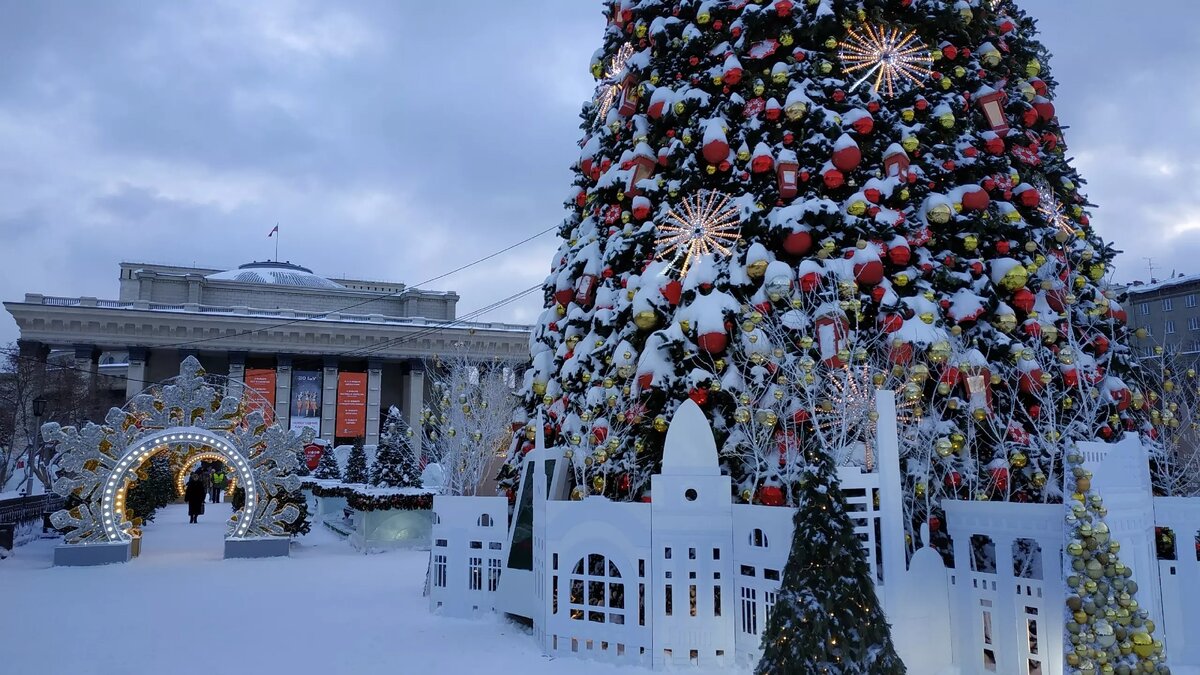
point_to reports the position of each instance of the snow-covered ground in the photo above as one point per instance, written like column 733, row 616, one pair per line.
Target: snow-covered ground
column 181, row 609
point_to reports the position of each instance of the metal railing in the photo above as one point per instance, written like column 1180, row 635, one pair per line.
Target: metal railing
column 417, row 321
column 25, row 510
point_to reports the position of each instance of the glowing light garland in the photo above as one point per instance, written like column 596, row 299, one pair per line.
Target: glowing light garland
column 888, row 55
column 707, row 224
column 610, row 88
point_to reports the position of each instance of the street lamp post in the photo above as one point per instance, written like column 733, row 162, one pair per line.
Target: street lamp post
column 39, row 409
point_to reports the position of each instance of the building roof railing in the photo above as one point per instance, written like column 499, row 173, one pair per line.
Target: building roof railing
column 190, row 308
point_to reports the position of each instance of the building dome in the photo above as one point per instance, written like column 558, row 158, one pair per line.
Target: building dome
column 275, row 274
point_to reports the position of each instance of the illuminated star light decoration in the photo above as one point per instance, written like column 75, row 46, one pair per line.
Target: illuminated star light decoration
column 849, row 410
column 610, row 87
column 888, row 55
column 708, row 224
column 1053, row 211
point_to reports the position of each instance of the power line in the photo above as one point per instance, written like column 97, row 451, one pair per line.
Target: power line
column 323, row 315
column 405, row 339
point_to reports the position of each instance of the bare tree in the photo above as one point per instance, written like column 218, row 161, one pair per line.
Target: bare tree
column 69, row 399
column 469, row 420
column 1169, row 385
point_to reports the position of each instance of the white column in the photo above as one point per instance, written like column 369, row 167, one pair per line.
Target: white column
column 374, row 397
column 1050, row 616
column 891, row 516
column 329, row 384
column 1006, row 617
column 965, row 614
column 283, row 390
column 136, row 373
column 237, row 366
column 414, row 393
column 87, row 364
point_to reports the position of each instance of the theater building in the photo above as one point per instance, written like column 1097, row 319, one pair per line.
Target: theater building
column 330, row 354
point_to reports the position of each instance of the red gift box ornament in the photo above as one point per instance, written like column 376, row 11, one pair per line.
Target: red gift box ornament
column 630, row 93
column 992, row 104
column 979, row 389
column 645, row 161
column 896, row 162
column 788, row 174
column 832, row 330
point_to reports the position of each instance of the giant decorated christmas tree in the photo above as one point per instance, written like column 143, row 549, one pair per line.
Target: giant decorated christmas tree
column 779, row 205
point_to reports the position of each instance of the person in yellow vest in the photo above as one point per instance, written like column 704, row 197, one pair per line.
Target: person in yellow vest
column 217, row 484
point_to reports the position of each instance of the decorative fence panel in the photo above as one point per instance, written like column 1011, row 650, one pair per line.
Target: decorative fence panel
column 467, row 555
column 1179, row 576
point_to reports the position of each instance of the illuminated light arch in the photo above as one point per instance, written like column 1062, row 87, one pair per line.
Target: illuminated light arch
column 193, row 410
column 203, row 456
column 112, row 503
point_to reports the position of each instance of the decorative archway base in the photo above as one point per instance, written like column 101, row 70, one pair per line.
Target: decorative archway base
column 257, row 547
column 91, row 555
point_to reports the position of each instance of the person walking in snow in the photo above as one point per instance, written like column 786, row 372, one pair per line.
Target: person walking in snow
column 194, row 494
column 218, row 484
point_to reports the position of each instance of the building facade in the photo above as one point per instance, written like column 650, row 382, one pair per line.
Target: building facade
column 1168, row 311
column 331, row 354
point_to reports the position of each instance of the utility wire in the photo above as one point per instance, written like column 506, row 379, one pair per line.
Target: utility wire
column 360, row 303
column 405, row 339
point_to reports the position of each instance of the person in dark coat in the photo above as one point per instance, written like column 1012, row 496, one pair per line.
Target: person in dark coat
column 194, row 495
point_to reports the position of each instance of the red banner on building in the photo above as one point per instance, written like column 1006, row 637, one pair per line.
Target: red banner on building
column 262, row 382
column 351, row 405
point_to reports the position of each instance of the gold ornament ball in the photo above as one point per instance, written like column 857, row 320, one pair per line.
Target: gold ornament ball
column 1015, row 278
column 660, row 424
column 645, row 319
column 940, row 214
column 1143, row 644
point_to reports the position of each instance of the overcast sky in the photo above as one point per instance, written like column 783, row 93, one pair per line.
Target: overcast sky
column 395, row 140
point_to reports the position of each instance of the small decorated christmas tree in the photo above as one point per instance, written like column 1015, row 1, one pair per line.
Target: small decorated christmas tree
column 327, row 466
column 1104, row 625
column 356, row 464
column 396, row 463
column 154, row 489
column 827, row 618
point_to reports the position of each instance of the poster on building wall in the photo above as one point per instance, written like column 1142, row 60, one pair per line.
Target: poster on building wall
column 261, row 381
column 306, row 400
column 351, row 405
